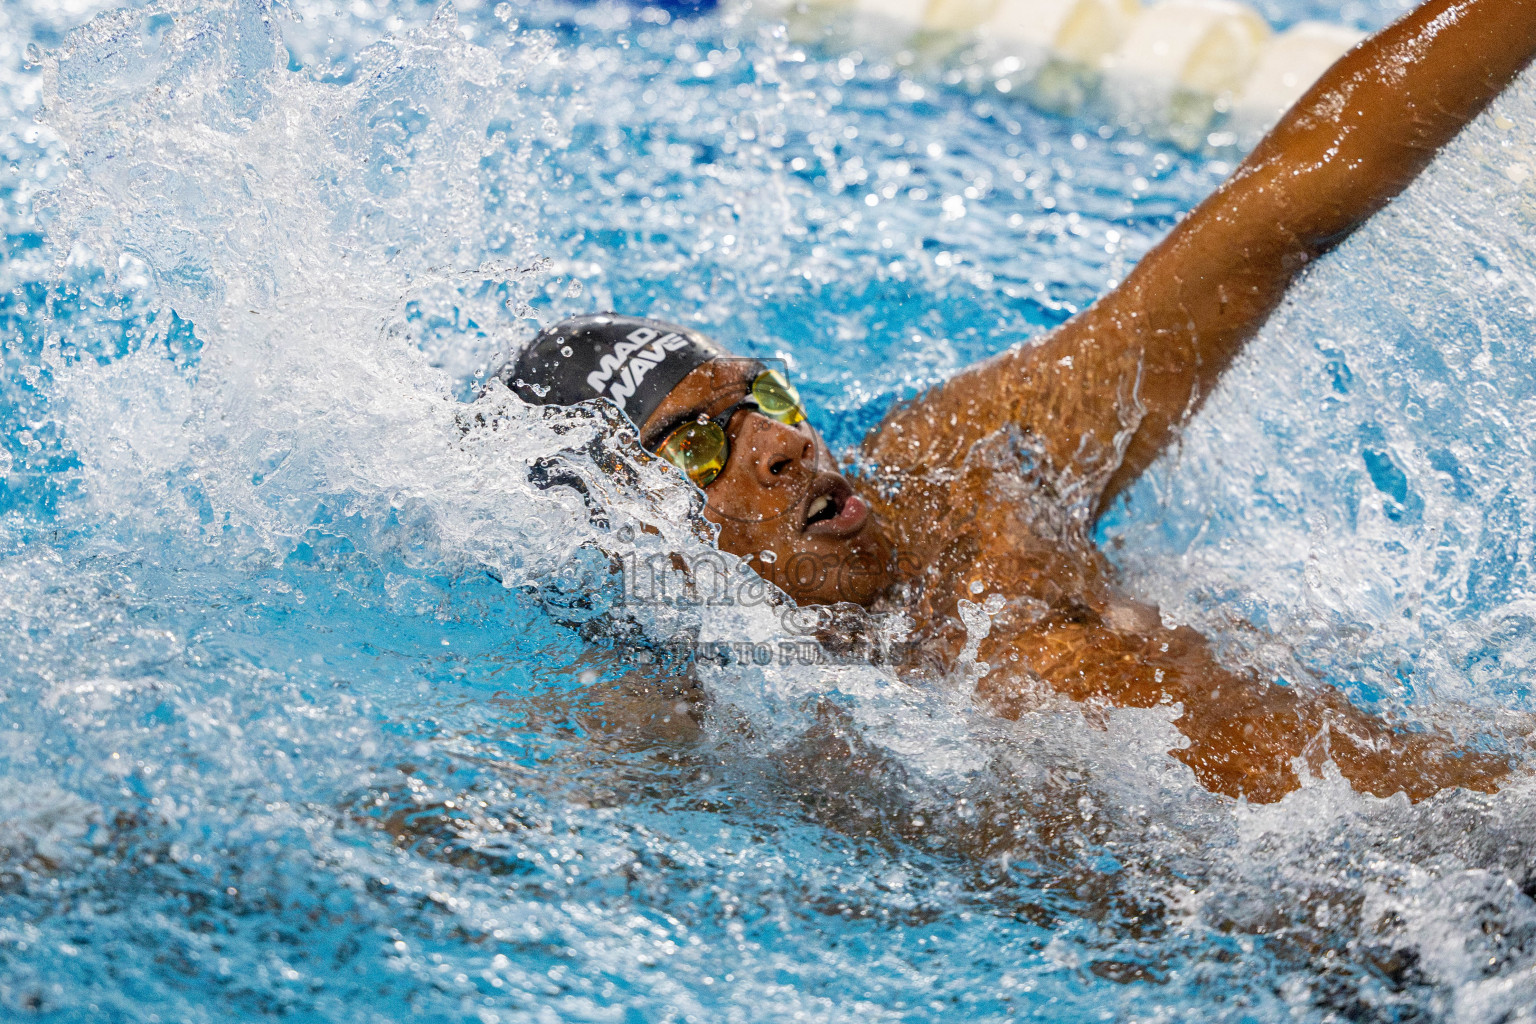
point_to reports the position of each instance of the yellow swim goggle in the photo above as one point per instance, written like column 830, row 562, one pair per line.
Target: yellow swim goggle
column 701, row 447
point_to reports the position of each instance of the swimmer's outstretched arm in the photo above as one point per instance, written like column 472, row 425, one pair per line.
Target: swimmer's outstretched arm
column 1105, row 391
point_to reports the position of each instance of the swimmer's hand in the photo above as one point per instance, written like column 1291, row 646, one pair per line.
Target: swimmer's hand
column 1105, row 391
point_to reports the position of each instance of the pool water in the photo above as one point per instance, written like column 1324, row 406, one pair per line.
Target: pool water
column 299, row 660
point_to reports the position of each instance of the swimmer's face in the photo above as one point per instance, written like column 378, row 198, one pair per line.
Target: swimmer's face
column 780, row 492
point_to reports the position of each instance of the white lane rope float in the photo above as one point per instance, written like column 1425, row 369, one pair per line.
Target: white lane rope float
column 1196, row 72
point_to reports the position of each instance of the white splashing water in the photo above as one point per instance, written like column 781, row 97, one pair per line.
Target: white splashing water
column 292, row 223
column 312, row 234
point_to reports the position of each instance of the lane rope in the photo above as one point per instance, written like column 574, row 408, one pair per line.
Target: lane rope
column 1199, row 73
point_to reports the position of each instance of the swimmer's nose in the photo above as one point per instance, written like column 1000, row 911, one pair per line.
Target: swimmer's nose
column 778, row 451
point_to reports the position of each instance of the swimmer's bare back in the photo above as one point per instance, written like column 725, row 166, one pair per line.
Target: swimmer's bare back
column 1089, row 407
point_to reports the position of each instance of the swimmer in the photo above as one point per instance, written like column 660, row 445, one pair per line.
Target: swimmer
column 990, row 483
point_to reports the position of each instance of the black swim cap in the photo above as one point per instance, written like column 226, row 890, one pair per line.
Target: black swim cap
column 632, row 362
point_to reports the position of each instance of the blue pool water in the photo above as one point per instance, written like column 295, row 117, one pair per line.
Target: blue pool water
column 298, row 663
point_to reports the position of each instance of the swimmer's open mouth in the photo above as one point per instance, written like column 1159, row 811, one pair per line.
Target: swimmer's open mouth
column 824, row 507
column 832, row 508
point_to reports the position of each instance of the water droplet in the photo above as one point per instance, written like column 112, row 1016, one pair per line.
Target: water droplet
column 551, row 126
column 767, row 556
column 503, row 12
column 574, row 290
column 566, row 351
column 34, row 54
column 977, row 586
column 994, row 604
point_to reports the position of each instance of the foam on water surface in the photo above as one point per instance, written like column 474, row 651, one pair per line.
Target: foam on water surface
column 296, row 640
